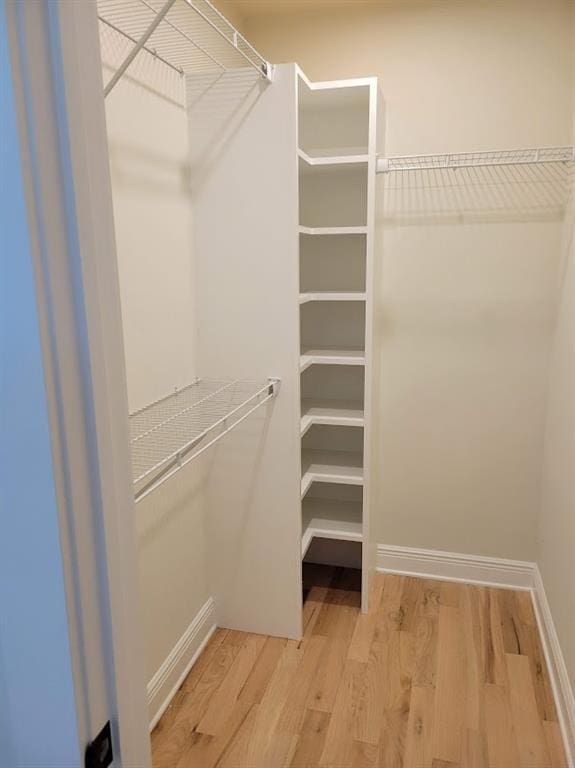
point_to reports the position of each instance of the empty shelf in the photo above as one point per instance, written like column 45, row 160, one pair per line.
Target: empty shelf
column 331, row 357
column 331, row 296
column 343, row 467
column 330, row 519
column 341, row 413
column 309, row 161
column 333, row 230
column 167, row 434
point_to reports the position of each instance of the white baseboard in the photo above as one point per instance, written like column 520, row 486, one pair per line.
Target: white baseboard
column 562, row 690
column 169, row 677
column 449, row 566
column 507, row 574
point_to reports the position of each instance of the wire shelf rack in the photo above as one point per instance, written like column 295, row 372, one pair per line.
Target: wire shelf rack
column 189, row 36
column 476, row 159
column 167, row 434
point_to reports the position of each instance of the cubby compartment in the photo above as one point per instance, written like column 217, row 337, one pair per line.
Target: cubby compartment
column 332, row 264
column 331, row 454
column 332, row 395
column 332, row 511
column 333, row 383
column 333, row 325
column 333, row 196
column 333, row 121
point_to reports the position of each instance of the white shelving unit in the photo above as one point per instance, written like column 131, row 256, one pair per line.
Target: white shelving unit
column 331, row 356
column 337, row 165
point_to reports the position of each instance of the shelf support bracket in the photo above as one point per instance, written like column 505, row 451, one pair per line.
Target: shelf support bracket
column 275, row 385
column 138, row 47
column 264, row 69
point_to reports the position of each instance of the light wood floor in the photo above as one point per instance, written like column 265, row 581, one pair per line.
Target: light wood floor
column 437, row 675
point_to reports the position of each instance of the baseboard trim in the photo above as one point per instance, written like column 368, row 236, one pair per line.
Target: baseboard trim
column 165, row 683
column 562, row 690
column 450, row 566
column 504, row 574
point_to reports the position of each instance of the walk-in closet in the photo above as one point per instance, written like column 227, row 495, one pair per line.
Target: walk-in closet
column 304, row 278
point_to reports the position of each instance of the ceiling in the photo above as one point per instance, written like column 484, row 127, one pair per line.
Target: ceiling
column 265, row 7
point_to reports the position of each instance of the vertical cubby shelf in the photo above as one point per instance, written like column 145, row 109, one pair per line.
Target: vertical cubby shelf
column 336, row 159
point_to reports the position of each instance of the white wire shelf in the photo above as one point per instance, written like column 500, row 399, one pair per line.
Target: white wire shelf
column 189, row 36
column 167, row 434
column 457, row 160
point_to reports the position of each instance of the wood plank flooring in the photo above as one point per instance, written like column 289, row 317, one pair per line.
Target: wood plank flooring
column 437, row 675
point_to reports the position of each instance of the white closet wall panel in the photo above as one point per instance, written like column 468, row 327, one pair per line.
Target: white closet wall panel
column 246, row 276
column 374, row 312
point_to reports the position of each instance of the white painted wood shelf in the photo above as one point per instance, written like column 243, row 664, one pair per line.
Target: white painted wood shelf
column 308, row 296
column 331, row 357
column 333, row 230
column 340, row 467
column 330, row 519
column 337, row 413
column 309, row 161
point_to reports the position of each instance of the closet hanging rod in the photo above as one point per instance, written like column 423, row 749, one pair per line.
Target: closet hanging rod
column 190, row 36
column 457, row 160
column 171, row 432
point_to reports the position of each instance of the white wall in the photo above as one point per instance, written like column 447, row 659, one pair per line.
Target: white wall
column 148, row 144
column 470, row 260
column 557, row 523
column 149, row 160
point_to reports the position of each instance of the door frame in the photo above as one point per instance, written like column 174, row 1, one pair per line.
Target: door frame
column 56, row 70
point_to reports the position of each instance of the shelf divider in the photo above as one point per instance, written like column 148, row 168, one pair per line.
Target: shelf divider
column 308, row 296
column 339, row 467
column 360, row 230
column 331, row 357
column 312, row 160
column 339, row 413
